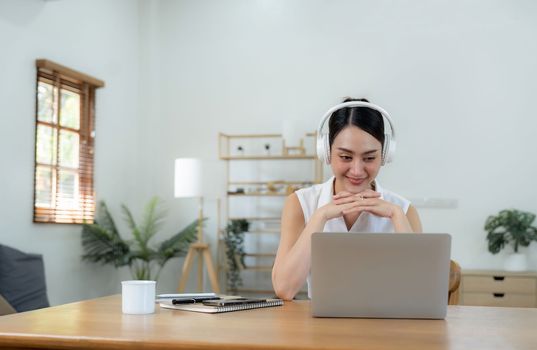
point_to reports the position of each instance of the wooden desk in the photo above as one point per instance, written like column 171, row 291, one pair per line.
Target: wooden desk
column 99, row 324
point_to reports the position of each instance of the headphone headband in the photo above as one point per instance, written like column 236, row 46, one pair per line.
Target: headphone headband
column 388, row 148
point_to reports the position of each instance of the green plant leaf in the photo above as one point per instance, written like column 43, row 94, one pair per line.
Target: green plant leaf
column 178, row 244
column 132, row 225
column 152, row 221
column 102, row 246
column 234, row 240
column 101, row 241
column 105, row 220
column 510, row 226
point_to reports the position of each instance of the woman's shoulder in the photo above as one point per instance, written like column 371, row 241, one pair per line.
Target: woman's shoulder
column 311, row 194
column 311, row 197
column 313, row 190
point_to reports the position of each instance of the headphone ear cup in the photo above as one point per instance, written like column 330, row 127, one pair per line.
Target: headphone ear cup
column 326, row 149
column 391, row 154
column 388, row 150
column 385, row 146
column 320, row 148
column 323, row 148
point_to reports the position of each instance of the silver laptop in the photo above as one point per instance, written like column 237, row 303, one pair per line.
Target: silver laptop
column 380, row 275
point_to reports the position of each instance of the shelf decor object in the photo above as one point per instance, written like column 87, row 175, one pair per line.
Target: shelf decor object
column 188, row 184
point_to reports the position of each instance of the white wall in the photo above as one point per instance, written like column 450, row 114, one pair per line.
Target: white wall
column 457, row 76
column 99, row 38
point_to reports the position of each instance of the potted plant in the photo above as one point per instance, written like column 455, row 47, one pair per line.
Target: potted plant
column 103, row 244
column 514, row 227
column 234, row 240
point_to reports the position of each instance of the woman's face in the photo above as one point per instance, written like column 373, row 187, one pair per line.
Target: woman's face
column 355, row 158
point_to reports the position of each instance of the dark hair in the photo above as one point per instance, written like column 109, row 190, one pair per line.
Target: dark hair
column 365, row 118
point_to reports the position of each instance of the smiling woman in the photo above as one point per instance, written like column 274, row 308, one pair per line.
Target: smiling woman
column 359, row 140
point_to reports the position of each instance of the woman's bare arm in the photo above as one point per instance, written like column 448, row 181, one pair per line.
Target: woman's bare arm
column 414, row 219
column 293, row 259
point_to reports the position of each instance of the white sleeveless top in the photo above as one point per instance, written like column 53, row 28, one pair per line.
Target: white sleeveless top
column 316, row 196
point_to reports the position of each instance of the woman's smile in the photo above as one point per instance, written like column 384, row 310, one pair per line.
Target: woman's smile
column 356, row 181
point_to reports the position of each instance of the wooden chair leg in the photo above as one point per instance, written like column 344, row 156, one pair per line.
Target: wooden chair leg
column 454, row 282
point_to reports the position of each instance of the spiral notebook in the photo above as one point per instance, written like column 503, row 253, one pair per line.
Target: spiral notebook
column 200, row 307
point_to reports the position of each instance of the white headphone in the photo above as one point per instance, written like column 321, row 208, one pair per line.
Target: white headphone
column 323, row 142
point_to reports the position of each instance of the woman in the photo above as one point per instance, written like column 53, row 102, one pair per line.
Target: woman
column 355, row 145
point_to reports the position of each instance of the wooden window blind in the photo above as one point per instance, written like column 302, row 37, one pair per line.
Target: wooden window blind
column 64, row 145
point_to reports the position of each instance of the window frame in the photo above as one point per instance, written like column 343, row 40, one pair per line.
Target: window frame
column 66, row 79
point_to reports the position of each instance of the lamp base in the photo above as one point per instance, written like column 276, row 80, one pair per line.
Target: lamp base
column 203, row 253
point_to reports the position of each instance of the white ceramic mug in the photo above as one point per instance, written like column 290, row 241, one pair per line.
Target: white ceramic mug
column 138, row 297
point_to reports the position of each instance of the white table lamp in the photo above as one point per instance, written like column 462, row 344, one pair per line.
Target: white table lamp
column 188, row 184
column 187, row 177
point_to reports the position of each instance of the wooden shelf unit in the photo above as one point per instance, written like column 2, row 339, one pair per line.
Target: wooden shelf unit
column 284, row 188
column 268, row 157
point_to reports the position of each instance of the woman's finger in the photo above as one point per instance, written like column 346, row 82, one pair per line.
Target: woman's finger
column 367, row 202
column 343, row 194
column 364, row 194
column 345, row 200
column 352, row 210
column 358, row 200
column 370, row 194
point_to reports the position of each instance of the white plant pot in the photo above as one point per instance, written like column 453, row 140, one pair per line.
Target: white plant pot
column 516, row 262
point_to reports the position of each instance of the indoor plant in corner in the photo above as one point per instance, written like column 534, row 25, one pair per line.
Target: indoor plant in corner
column 103, row 244
column 234, row 240
column 511, row 226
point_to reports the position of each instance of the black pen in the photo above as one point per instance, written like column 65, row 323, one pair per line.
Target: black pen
column 229, row 302
column 192, row 300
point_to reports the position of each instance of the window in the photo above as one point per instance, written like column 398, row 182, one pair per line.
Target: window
column 64, row 145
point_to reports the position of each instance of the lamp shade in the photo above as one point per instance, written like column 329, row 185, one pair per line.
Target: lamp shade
column 187, row 177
